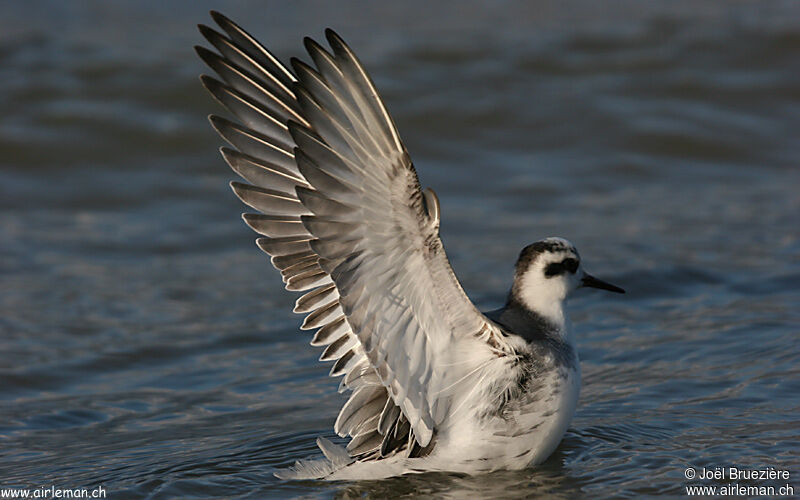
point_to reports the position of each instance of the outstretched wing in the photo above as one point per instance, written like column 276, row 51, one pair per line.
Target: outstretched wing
column 344, row 219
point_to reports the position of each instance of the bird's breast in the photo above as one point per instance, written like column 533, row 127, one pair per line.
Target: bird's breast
column 519, row 418
column 532, row 425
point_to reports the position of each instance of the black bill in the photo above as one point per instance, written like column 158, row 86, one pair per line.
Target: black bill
column 592, row 282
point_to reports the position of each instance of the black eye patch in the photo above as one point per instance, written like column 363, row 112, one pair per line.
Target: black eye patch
column 570, row 265
column 557, row 268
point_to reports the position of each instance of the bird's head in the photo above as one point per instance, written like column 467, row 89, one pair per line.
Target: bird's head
column 547, row 272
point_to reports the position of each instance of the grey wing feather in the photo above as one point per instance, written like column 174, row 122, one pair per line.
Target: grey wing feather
column 252, row 143
column 344, row 219
column 276, row 226
column 262, row 173
column 254, row 115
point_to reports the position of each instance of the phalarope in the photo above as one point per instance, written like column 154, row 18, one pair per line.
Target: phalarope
column 436, row 384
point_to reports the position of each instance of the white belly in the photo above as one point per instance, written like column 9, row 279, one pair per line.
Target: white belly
column 542, row 423
column 524, row 433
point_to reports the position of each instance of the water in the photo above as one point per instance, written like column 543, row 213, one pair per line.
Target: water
column 147, row 345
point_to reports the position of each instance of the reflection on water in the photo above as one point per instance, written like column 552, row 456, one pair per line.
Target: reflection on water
column 147, row 345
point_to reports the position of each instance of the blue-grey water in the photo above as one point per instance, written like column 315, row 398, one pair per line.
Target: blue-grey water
column 147, row 346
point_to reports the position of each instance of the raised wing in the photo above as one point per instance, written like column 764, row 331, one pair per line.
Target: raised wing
column 344, row 219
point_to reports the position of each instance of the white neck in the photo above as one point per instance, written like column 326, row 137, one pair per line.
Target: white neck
column 545, row 298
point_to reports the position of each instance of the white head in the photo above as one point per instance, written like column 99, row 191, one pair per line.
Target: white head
column 546, row 273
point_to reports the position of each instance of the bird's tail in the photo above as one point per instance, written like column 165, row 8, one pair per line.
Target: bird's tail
column 336, row 457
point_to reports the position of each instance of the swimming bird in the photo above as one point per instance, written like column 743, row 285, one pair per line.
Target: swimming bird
column 435, row 384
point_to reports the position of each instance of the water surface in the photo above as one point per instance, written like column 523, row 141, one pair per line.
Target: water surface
column 147, row 346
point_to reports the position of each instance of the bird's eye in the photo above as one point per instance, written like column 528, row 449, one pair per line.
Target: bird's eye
column 570, row 265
